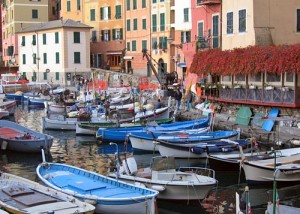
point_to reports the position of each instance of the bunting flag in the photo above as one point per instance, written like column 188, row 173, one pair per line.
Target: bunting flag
column 249, row 205
column 277, row 199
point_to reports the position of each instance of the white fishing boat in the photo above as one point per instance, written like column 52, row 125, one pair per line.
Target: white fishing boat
column 3, row 113
column 8, row 105
column 262, row 171
column 20, row 195
column 184, row 183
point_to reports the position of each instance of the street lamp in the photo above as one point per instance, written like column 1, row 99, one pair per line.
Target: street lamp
column 117, row 159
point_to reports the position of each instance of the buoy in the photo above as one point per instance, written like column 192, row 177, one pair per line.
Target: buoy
column 158, row 188
column 4, row 145
column 295, row 142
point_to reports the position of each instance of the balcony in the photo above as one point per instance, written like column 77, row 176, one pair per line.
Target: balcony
column 208, row 2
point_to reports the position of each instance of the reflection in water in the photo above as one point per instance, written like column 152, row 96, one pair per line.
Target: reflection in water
column 87, row 153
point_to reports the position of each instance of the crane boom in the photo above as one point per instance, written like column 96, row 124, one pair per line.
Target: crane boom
column 149, row 59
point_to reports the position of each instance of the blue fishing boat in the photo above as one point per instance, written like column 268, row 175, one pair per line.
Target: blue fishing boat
column 108, row 195
column 195, row 145
column 119, row 134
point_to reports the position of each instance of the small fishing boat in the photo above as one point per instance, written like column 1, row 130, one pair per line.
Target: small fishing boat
column 195, row 145
column 143, row 141
column 15, row 137
column 119, row 134
column 231, row 162
column 262, row 171
column 185, row 183
column 3, row 113
column 20, row 195
column 120, row 100
column 8, row 105
column 107, row 194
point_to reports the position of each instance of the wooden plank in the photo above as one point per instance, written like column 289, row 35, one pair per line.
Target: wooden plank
column 35, row 199
column 14, row 191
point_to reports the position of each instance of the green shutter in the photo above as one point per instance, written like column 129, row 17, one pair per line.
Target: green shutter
column 76, row 37
column 133, row 45
column 182, row 37
column 134, row 5
column 45, row 58
column 144, row 23
column 10, row 50
column 108, row 35
column 109, row 13
column 45, row 75
column 68, row 6
column 78, row 5
column 128, row 5
column 33, row 39
column 113, row 34
column 77, row 57
column 23, row 41
column 154, row 23
column 44, row 39
column 92, row 14
column 57, row 57
column 24, row 59
column 33, row 78
column 128, row 46
column 143, row 3
column 128, row 25
column 144, row 44
column 162, row 22
column 121, row 33
column 34, row 58
column 56, row 75
column 101, row 13
column 118, row 12
column 165, row 43
column 102, row 35
column 161, row 42
column 56, row 38
column 134, row 24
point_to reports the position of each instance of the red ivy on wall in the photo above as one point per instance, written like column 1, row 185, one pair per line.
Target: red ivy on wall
column 250, row 60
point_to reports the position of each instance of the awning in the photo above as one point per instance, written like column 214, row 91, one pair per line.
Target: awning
column 128, row 57
column 181, row 64
column 113, row 52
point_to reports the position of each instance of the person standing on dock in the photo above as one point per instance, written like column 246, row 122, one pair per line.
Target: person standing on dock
column 178, row 96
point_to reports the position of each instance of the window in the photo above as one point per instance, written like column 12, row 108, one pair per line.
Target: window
column 144, row 24
column 45, row 75
column 92, row 15
column 33, row 39
column 105, row 35
column 57, row 57
column 118, row 12
column 68, row 6
column 144, row 44
column 186, row 14
column 242, row 21
column 162, row 0
column 162, row 42
column 226, row 78
column 78, row 5
column 56, row 75
column 34, row 14
column 34, row 58
column 45, row 58
column 134, row 24
column 76, row 37
column 24, row 59
column 117, row 33
column 44, row 39
column 200, row 30
column 154, row 23
column 289, row 77
column 76, row 57
column 230, row 23
column 256, row 77
column 273, row 77
column 298, row 20
column 215, row 33
column 185, row 36
column 162, row 22
column 128, row 25
column 94, row 36
column 56, row 38
column 154, row 1
column 143, row 3
column 134, row 7
column 23, row 41
column 239, row 78
column 105, row 13
column 128, row 5
column 133, row 45
column 128, row 46
column 154, row 43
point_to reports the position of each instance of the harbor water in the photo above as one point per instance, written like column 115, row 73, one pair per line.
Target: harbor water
column 86, row 152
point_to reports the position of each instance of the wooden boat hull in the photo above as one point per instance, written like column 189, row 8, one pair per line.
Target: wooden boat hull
column 26, row 196
column 108, row 195
column 12, row 138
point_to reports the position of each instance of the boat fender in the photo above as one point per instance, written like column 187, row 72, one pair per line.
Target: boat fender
column 158, row 188
column 295, row 142
column 4, row 145
column 139, row 184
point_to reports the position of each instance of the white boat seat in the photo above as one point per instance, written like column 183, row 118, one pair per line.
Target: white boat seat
column 130, row 166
